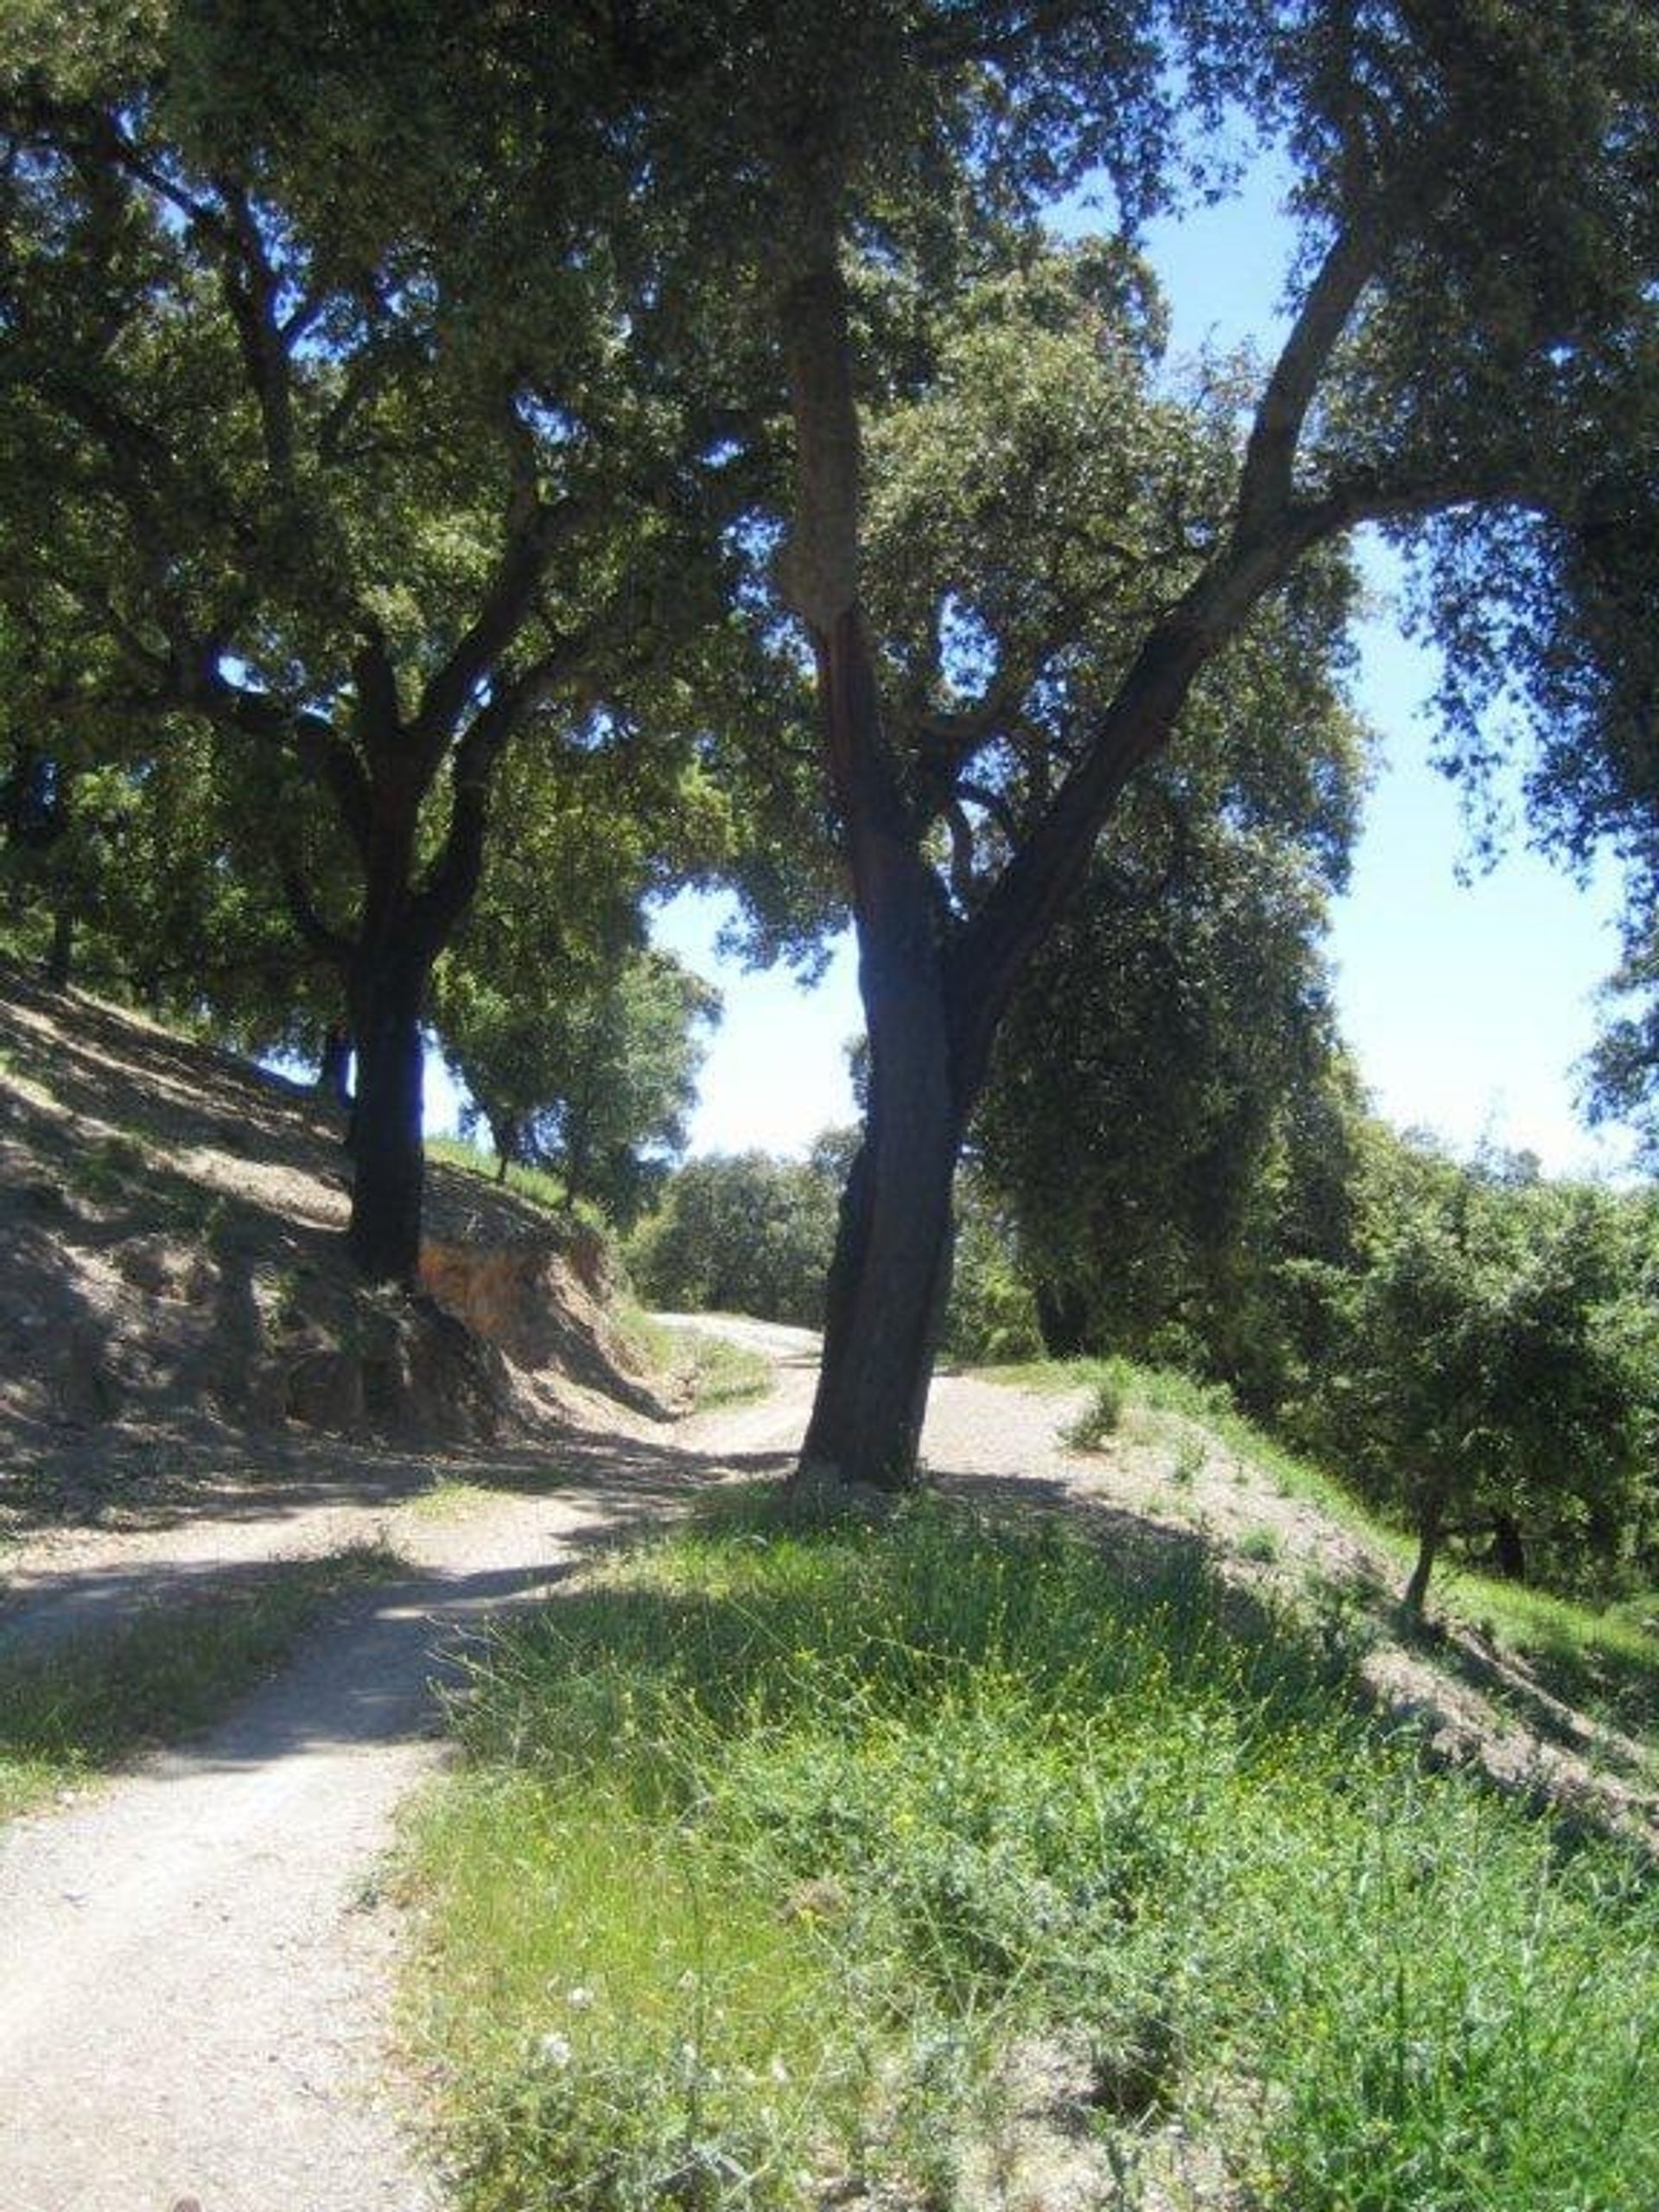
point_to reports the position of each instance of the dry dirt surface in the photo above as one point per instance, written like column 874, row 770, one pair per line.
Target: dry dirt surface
column 197, row 1998
column 197, row 2002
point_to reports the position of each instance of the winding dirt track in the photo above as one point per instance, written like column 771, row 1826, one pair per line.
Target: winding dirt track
column 195, row 1972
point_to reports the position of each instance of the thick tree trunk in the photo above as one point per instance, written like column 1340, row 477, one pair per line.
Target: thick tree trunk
column 890, row 1278
column 935, row 984
column 390, row 1163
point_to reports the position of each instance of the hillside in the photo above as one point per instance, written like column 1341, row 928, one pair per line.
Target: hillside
column 176, row 1304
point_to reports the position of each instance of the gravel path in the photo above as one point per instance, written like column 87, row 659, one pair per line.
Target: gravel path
column 197, row 1972
column 197, row 1980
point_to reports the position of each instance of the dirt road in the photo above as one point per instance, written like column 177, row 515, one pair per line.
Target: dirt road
column 194, row 1968
column 196, row 1963
column 196, row 1989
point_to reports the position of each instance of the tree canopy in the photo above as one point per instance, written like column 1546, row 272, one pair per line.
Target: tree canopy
column 382, row 392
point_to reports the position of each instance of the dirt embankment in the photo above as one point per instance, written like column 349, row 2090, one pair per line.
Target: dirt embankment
column 175, row 1294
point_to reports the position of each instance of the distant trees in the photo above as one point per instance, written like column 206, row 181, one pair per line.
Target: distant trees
column 1171, row 1056
column 594, row 1079
column 742, row 1233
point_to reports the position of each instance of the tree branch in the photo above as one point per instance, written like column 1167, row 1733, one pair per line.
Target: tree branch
column 507, row 604
column 329, row 943
column 1267, row 480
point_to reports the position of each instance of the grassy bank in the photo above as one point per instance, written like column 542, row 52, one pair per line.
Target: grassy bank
column 84, row 1708
column 701, row 1369
column 944, row 1862
column 1603, row 1660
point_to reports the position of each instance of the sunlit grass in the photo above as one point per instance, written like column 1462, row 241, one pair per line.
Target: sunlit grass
column 778, row 1838
column 532, row 1182
column 1606, row 1660
column 705, row 1368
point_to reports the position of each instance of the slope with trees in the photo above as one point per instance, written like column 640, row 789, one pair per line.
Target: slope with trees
column 365, row 466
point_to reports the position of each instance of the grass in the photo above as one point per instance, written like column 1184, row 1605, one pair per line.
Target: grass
column 1605, row 1661
column 925, row 1807
column 86, row 1708
column 532, row 1182
column 710, row 1370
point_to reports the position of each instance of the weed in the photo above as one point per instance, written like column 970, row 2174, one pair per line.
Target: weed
column 1264, row 1546
column 1606, row 1662
column 449, row 1498
column 905, row 1795
column 1102, row 1417
column 103, row 1172
column 1190, row 1459
column 535, row 1184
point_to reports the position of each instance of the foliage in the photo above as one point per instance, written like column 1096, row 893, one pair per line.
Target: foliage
column 289, row 458
column 992, row 1315
column 739, row 1233
column 1102, row 1417
column 1495, row 1366
column 592, row 1078
column 917, row 1797
column 1166, row 1118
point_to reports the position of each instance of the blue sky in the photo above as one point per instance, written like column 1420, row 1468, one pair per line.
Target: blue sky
column 1467, row 1002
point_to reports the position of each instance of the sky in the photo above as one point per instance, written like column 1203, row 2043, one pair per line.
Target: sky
column 1466, row 996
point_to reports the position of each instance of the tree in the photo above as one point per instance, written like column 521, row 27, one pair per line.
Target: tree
column 1495, row 1368
column 338, row 456
column 1478, row 221
column 741, row 1233
column 593, row 1080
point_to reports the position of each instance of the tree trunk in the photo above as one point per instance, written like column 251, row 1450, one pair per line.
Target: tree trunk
column 1062, row 1318
column 1431, row 1520
column 59, row 959
column 890, row 1278
column 334, row 1071
column 389, row 1162
column 1509, row 1547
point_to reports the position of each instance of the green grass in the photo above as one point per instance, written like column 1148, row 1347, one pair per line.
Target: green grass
column 1605, row 1661
column 86, row 1708
column 708, row 1369
column 532, row 1182
column 907, row 1799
